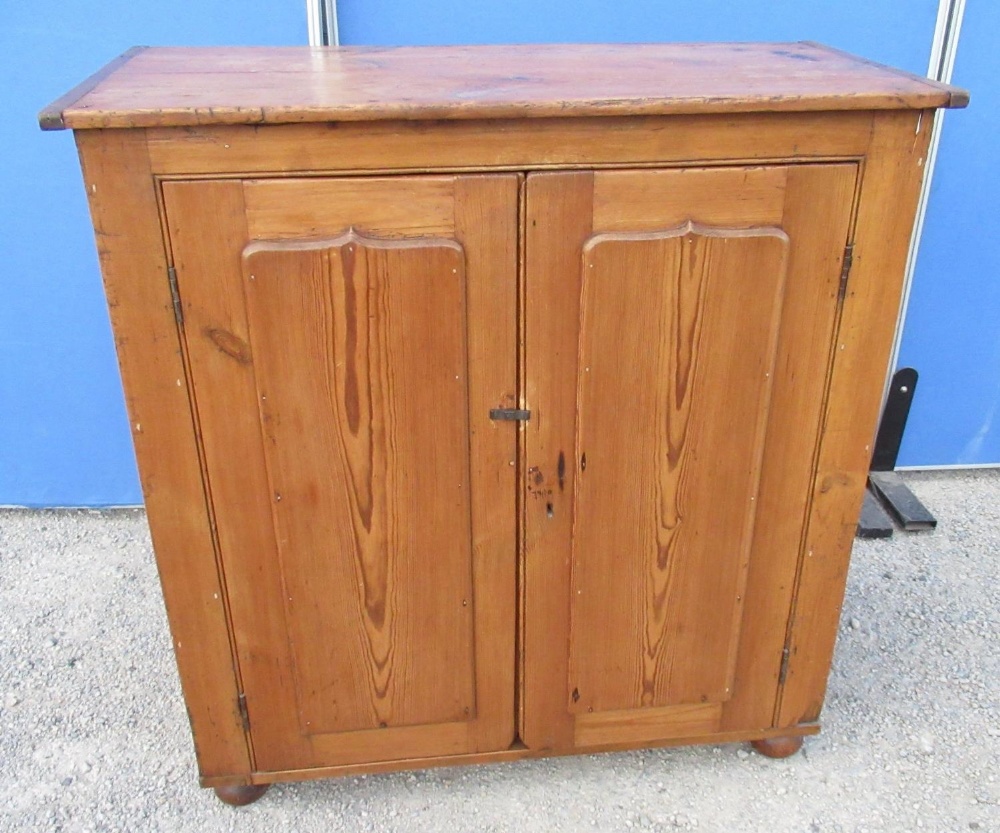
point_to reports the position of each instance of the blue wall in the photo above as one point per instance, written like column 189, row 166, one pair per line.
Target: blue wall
column 952, row 329
column 64, row 439
column 891, row 31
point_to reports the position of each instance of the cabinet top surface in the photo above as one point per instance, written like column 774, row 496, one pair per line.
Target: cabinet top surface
column 182, row 86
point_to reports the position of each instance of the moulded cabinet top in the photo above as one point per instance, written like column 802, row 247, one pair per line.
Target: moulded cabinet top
column 179, row 86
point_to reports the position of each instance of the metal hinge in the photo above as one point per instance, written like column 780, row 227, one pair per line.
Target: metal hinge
column 241, row 704
column 175, row 295
column 783, row 673
column 513, row 414
column 845, row 271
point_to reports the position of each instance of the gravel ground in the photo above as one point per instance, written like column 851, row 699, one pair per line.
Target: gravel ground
column 94, row 735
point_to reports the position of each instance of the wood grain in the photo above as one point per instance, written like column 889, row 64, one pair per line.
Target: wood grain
column 123, row 205
column 650, row 724
column 560, row 210
column 818, row 200
column 886, row 204
column 517, row 144
column 206, row 224
column 632, row 645
column 517, row 752
column 638, row 201
column 487, row 224
column 366, row 448
column 520, row 464
column 167, row 86
column 959, row 97
column 682, row 326
column 51, row 117
column 391, row 578
column 383, row 206
column 416, row 654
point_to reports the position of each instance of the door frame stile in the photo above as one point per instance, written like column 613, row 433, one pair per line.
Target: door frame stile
column 182, row 338
column 520, row 456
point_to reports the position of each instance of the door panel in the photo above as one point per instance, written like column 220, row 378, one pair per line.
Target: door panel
column 692, row 357
column 670, row 318
column 367, row 479
column 360, row 513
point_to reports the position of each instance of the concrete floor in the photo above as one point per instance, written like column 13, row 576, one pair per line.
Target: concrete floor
column 94, row 734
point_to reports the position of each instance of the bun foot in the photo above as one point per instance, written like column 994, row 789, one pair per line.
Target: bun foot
column 242, row 795
column 778, row 747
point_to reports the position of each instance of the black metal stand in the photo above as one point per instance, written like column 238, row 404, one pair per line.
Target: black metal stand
column 884, row 485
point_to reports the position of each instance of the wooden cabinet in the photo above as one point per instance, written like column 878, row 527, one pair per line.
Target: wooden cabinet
column 487, row 406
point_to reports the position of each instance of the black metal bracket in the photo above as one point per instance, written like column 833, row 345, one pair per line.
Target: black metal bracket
column 893, row 422
column 886, row 489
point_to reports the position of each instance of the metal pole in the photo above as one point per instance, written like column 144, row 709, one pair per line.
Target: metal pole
column 941, row 68
column 322, row 19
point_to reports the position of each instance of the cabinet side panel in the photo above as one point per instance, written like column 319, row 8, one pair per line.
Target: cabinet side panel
column 889, row 188
column 123, row 205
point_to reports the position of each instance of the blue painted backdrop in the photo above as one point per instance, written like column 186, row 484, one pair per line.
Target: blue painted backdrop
column 64, row 439
column 891, row 31
column 64, row 434
column 952, row 328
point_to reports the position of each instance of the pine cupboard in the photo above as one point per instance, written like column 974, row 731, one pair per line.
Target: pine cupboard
column 498, row 402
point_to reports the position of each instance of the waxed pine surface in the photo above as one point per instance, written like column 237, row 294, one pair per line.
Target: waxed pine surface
column 93, row 734
column 163, row 86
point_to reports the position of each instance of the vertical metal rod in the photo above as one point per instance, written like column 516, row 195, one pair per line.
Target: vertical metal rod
column 321, row 16
column 313, row 21
column 332, row 26
column 940, row 68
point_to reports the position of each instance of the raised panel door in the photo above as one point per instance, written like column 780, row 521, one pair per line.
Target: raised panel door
column 678, row 334
column 346, row 340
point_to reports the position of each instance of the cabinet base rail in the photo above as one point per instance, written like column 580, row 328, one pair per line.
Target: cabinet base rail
column 789, row 735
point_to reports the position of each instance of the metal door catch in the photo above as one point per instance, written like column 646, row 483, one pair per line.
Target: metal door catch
column 510, row 414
